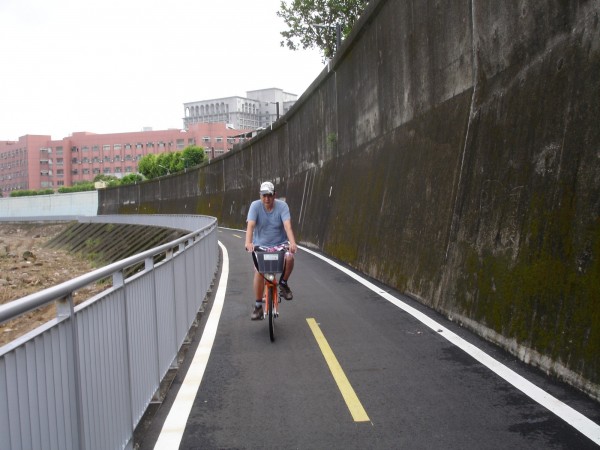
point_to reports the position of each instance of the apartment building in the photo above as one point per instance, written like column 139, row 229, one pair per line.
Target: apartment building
column 258, row 109
column 39, row 162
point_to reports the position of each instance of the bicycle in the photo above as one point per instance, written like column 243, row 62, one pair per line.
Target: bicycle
column 270, row 263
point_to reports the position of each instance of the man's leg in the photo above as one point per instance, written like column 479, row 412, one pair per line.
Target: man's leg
column 289, row 266
column 287, row 271
column 259, row 286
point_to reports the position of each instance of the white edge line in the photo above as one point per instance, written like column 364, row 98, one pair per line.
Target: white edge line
column 174, row 426
column 574, row 418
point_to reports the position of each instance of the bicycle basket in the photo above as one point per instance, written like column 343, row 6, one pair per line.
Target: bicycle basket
column 270, row 262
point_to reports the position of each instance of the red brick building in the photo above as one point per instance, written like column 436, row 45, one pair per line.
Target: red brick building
column 38, row 162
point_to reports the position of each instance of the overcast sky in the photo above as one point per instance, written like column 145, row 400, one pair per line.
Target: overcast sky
column 109, row 66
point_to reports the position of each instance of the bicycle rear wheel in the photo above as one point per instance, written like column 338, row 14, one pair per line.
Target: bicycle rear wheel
column 270, row 300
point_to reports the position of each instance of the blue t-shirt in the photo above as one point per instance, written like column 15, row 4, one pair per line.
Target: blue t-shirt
column 269, row 230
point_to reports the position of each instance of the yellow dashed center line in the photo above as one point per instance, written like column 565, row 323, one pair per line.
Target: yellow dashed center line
column 356, row 409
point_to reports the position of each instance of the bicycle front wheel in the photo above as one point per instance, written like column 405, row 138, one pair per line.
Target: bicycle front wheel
column 271, row 300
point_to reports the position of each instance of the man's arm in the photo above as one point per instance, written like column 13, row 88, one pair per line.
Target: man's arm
column 249, row 235
column 287, row 225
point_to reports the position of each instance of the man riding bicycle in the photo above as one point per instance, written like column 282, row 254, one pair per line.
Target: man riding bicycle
column 270, row 225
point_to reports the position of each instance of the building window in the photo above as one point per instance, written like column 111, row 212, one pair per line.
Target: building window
column 206, row 139
column 96, row 171
column 219, row 139
column 117, row 158
column 74, row 172
column 106, row 170
column 59, row 150
column 106, row 148
column 117, row 147
column 85, row 171
column 117, row 170
column 128, row 169
column 127, row 157
column 127, row 146
column 180, row 144
column 85, row 160
column 85, row 148
column 139, row 146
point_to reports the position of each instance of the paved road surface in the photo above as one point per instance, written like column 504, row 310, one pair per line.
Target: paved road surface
column 418, row 390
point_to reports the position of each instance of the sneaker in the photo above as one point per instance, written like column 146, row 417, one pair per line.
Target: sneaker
column 257, row 314
column 285, row 290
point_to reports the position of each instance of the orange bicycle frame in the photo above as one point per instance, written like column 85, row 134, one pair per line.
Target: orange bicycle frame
column 270, row 286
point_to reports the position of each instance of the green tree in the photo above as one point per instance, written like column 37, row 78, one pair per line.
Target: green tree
column 193, row 156
column 158, row 165
column 132, row 178
column 110, row 180
column 313, row 23
column 78, row 186
column 167, row 163
column 28, row 193
column 147, row 166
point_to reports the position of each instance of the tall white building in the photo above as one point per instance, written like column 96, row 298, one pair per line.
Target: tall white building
column 258, row 109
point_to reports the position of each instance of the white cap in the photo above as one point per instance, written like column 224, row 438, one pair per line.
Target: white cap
column 267, row 188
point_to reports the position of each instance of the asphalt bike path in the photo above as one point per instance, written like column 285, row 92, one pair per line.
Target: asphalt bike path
column 351, row 369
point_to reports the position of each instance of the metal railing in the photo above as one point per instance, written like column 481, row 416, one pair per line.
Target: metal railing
column 84, row 379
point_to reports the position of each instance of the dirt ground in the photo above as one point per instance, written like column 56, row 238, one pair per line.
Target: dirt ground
column 26, row 267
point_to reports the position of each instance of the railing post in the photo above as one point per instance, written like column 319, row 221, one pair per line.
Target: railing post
column 169, row 256
column 149, row 267
column 118, row 280
column 66, row 311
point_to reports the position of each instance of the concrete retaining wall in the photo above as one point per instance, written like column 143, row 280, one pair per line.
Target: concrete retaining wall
column 451, row 150
column 70, row 204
